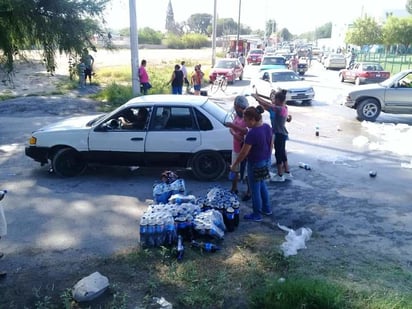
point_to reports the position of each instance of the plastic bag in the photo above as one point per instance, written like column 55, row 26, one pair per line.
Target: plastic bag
column 90, row 287
column 295, row 240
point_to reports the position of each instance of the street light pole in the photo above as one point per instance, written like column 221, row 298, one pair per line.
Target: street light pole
column 134, row 48
column 214, row 35
column 238, row 29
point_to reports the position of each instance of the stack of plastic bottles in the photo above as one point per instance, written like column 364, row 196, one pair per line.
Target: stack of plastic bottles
column 186, row 215
column 164, row 190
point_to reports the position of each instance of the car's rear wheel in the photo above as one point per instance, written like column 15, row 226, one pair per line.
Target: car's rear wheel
column 368, row 109
column 341, row 78
column 357, row 81
column 208, row 165
column 68, row 162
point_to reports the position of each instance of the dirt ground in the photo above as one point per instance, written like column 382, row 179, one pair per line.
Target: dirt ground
column 358, row 233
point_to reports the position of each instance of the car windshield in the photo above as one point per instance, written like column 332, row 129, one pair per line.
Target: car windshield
column 256, row 51
column 225, row 64
column 273, row 61
column 216, row 111
column 93, row 121
column 285, row 77
column 391, row 80
column 372, row 67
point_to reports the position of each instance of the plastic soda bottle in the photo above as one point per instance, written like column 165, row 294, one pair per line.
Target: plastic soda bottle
column 230, row 219
column 180, row 248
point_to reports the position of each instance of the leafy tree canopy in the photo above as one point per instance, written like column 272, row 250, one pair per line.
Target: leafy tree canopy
column 52, row 25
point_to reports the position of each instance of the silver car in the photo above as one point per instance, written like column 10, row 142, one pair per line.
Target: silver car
column 335, row 61
column 298, row 90
column 393, row 95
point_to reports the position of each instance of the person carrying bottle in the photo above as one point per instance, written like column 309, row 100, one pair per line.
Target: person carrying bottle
column 257, row 149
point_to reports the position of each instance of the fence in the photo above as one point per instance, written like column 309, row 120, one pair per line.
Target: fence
column 391, row 62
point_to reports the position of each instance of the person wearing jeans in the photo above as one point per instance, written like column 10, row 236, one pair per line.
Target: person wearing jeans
column 257, row 149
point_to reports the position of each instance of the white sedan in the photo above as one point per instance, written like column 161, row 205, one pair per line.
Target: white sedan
column 335, row 61
column 298, row 90
column 154, row 130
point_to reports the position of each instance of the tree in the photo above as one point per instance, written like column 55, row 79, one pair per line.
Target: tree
column 170, row 19
column 199, row 23
column 365, row 31
column 285, row 35
column 397, row 31
column 58, row 25
column 408, row 6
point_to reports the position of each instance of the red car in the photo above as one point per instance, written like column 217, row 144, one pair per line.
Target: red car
column 255, row 56
column 231, row 68
column 364, row 73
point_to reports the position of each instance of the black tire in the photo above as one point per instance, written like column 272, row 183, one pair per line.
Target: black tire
column 341, row 78
column 241, row 76
column 68, row 162
column 208, row 165
column 368, row 109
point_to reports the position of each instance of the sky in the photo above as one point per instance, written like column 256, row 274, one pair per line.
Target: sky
column 298, row 16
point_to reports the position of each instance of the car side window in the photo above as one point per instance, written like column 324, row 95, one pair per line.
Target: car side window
column 181, row 119
column 161, row 118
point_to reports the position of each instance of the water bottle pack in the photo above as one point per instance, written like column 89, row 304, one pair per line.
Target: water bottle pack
column 163, row 191
column 210, row 223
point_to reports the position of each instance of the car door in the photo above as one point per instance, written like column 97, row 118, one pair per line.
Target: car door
column 119, row 145
column 398, row 98
column 176, row 139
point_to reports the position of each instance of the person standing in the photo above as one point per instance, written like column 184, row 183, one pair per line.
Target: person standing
column 238, row 129
column 177, row 80
column 144, row 78
column 279, row 110
column 242, row 60
column 184, row 70
column 257, row 149
column 293, row 63
column 196, row 80
column 88, row 61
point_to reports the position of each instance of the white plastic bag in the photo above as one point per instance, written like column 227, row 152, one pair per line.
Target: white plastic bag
column 90, row 287
column 295, row 240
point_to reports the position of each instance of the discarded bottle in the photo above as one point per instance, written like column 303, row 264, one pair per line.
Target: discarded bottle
column 206, row 246
column 317, row 130
column 305, row 166
column 180, row 248
column 229, row 219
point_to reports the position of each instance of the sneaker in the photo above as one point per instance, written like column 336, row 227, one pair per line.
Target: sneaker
column 267, row 213
column 277, row 178
column 253, row 217
column 288, row 175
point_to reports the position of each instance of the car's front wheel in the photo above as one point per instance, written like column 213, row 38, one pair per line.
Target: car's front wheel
column 208, row 165
column 341, row 78
column 368, row 109
column 68, row 162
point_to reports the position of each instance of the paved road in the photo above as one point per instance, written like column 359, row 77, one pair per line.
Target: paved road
column 98, row 213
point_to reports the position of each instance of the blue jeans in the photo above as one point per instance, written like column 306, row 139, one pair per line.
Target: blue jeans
column 177, row 89
column 260, row 194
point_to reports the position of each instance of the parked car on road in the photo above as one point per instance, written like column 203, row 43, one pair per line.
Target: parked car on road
column 255, row 56
column 298, row 90
column 393, row 95
column 231, row 68
column 272, row 62
column 155, row 130
column 364, row 73
column 335, row 61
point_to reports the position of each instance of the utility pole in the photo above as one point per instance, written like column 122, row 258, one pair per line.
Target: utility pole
column 214, row 35
column 238, row 29
column 134, row 48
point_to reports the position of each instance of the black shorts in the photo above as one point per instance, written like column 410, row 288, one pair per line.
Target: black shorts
column 88, row 72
